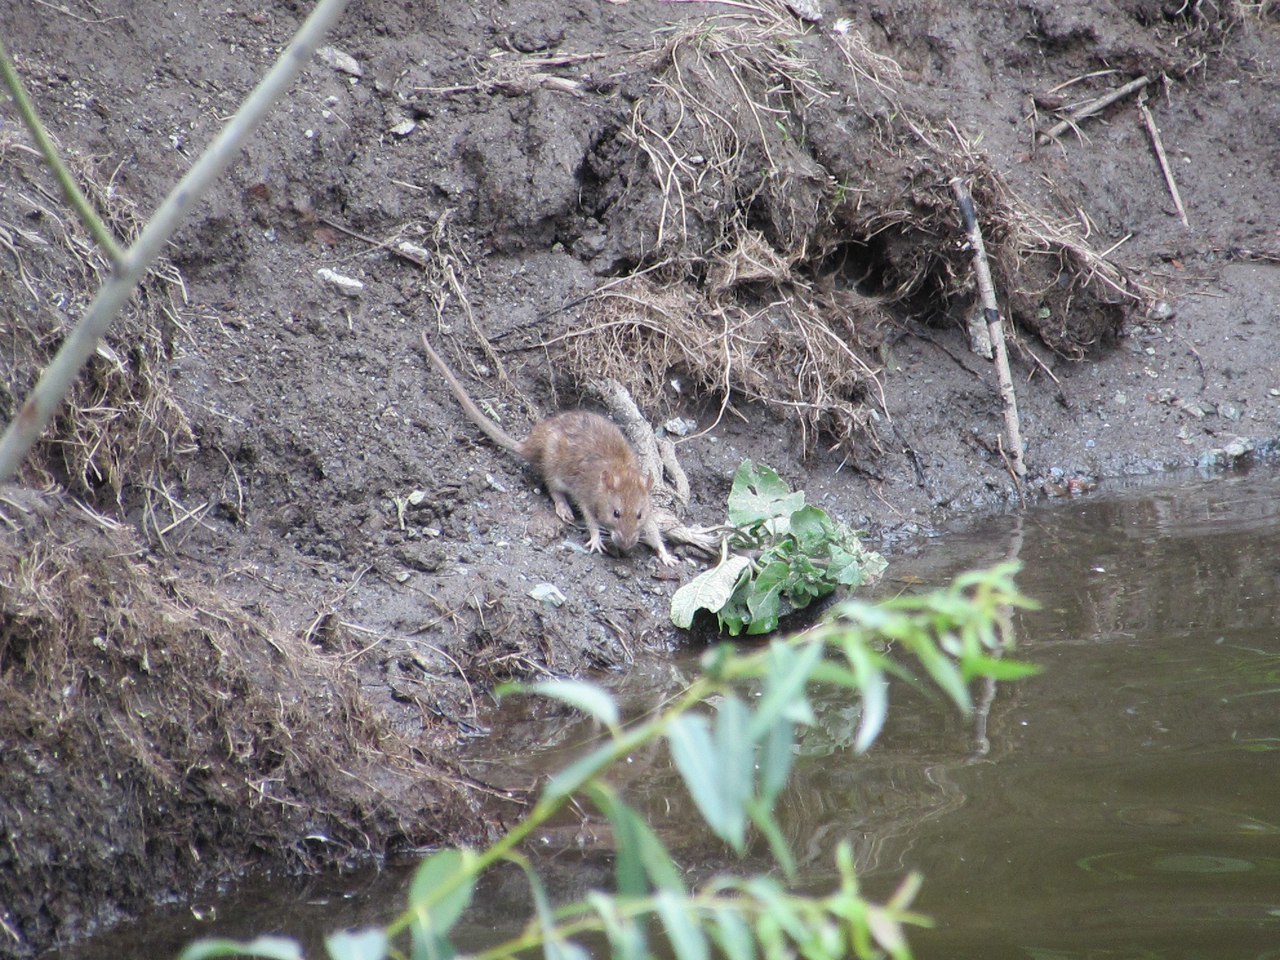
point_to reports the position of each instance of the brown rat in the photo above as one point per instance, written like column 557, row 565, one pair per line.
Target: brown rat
column 581, row 457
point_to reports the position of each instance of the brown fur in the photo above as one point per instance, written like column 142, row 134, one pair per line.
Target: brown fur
column 582, row 458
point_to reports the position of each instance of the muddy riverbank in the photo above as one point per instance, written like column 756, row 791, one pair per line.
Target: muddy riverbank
column 262, row 570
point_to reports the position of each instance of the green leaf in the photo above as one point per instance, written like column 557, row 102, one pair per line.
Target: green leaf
column 717, row 660
column 732, row 934
column 709, row 590
column 439, row 912
column 888, row 932
column 541, row 903
column 759, row 494
column 854, row 567
column 735, row 764
column 735, row 616
column 762, row 816
column 268, row 948
column 366, row 945
column 945, row 674
column 557, row 949
column 554, row 946
column 764, row 598
column 688, row 942
column 695, row 758
column 813, row 529
column 997, row 668
column 830, row 672
column 435, row 911
column 778, row 906
column 644, row 854
column 875, row 694
column 587, row 697
column 627, row 940
column 788, row 674
column 777, row 753
column 875, row 708
column 430, row 946
column 628, row 868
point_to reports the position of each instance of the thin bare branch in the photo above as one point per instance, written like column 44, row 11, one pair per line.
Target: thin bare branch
column 56, row 381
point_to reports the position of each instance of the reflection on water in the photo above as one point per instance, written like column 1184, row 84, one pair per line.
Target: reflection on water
column 1125, row 803
column 1129, row 803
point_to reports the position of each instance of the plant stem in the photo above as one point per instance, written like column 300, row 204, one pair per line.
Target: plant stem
column 79, row 202
column 547, row 807
column 55, row 382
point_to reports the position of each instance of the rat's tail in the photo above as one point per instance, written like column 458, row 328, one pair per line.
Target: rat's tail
column 491, row 429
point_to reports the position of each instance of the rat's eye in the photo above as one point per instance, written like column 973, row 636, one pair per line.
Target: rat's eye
column 617, row 514
column 639, row 514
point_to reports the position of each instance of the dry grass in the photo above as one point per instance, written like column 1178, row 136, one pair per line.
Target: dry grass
column 177, row 725
column 754, row 206
column 718, row 129
column 798, row 351
column 122, row 427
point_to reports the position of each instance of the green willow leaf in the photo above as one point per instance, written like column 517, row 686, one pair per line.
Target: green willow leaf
column 366, row 945
column 695, row 758
column 587, row 697
column 687, row 939
column 627, row 940
column 735, row 766
column 431, row 876
column 788, row 674
column 571, row 779
column 267, row 948
column 762, row 816
column 553, row 945
column 945, row 674
column 732, row 935
column 999, row 668
column 777, row 753
column 779, row 907
column 645, row 849
column 875, row 695
column 628, row 869
column 556, row 949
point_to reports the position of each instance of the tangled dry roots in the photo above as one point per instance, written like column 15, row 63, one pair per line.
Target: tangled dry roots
column 800, row 351
column 783, row 200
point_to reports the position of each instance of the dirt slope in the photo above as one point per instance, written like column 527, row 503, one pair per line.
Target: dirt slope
column 755, row 202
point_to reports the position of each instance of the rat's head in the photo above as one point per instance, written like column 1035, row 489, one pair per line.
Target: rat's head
column 626, row 506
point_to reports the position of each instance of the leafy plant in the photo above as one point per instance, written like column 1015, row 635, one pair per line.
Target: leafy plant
column 734, row 761
column 797, row 554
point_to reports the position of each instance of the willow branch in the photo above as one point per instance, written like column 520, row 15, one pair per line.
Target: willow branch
column 96, row 226
column 56, row 381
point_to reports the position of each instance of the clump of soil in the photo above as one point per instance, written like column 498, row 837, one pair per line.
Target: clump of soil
column 261, row 574
column 156, row 730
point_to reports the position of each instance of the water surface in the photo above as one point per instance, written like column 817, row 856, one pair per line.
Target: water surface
column 1125, row 803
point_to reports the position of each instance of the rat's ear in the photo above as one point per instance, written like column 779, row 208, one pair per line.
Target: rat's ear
column 648, row 482
column 609, row 479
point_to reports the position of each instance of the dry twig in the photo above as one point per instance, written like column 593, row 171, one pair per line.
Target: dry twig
column 1154, row 132
column 1089, row 109
column 995, row 328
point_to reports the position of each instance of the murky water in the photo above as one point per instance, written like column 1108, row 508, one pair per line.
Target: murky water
column 1125, row 803
column 1130, row 802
